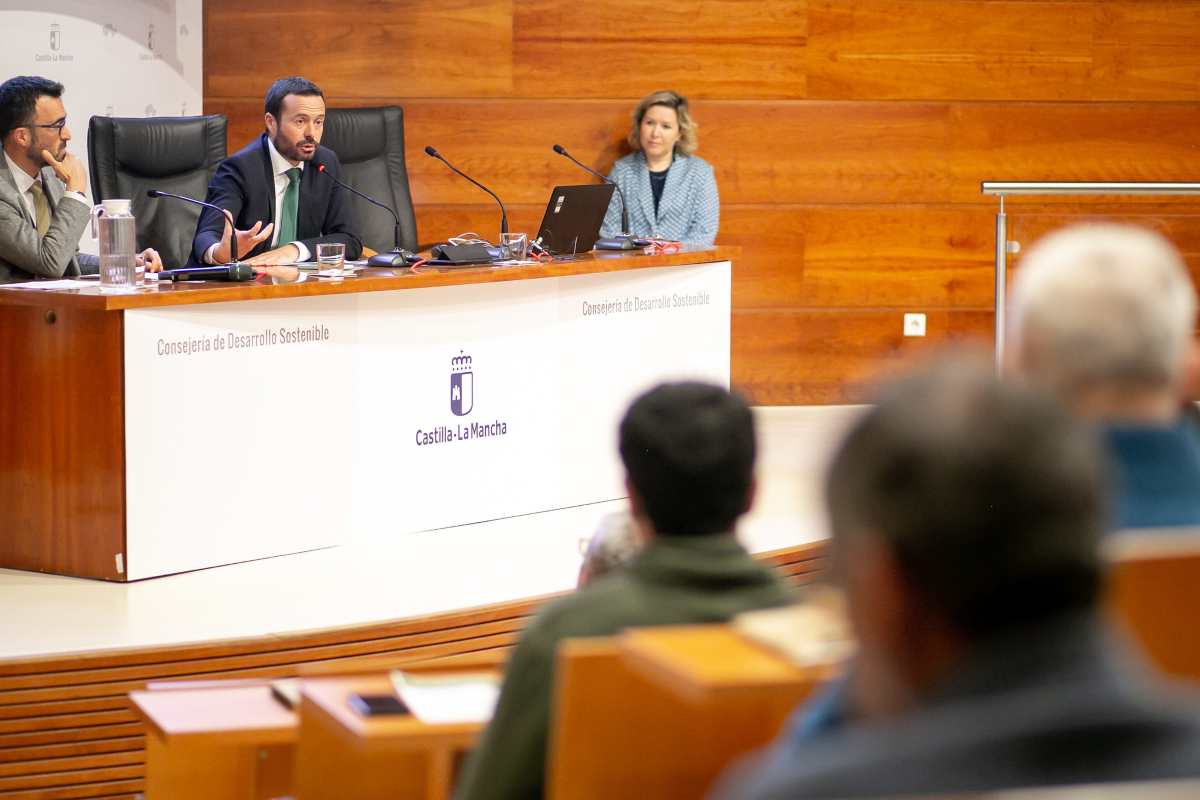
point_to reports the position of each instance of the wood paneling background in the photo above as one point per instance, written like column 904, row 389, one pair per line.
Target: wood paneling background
column 849, row 137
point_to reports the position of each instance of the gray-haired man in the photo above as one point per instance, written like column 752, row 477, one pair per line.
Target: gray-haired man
column 1104, row 316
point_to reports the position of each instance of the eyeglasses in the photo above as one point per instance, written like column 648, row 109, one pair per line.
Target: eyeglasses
column 58, row 126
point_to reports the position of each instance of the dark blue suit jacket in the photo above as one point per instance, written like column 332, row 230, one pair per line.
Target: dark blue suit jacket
column 244, row 185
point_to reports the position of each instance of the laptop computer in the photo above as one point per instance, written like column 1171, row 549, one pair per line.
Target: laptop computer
column 573, row 217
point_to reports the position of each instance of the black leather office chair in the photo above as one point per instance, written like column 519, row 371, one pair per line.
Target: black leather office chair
column 128, row 155
column 370, row 144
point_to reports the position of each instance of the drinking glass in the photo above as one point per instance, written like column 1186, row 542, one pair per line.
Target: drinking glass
column 331, row 259
column 516, row 246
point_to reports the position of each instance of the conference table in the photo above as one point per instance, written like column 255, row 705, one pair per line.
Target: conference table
column 190, row 425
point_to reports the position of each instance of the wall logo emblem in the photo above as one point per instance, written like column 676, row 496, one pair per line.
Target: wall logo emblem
column 151, row 111
column 462, row 385
column 55, row 36
column 150, row 37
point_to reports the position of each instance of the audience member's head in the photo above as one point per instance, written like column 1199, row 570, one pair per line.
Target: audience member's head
column 1103, row 315
column 963, row 509
column 612, row 546
column 688, row 450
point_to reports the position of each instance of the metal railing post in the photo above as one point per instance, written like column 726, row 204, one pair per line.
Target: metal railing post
column 1002, row 188
column 1001, row 281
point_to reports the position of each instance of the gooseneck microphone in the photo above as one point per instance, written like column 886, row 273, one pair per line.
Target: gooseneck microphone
column 233, row 271
column 380, row 260
column 212, row 272
column 233, row 253
column 429, row 151
column 562, row 151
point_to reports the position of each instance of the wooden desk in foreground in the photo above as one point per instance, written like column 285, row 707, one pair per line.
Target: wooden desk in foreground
column 204, row 424
column 225, row 740
column 231, row 743
column 624, row 705
column 343, row 754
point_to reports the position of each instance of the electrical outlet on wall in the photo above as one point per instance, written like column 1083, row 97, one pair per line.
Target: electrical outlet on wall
column 914, row 324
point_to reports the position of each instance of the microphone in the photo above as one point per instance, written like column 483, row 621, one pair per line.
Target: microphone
column 219, row 272
column 429, row 151
column 388, row 259
column 562, row 151
column 233, row 253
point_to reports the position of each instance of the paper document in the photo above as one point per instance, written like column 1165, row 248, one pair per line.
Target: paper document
column 450, row 697
column 66, row 283
column 287, row 692
column 809, row 633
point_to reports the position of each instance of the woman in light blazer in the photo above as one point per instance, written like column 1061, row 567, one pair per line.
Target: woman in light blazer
column 672, row 194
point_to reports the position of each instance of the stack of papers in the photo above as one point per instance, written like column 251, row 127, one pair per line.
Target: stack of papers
column 448, row 698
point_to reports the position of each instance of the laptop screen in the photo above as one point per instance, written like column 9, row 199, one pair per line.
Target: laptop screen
column 573, row 217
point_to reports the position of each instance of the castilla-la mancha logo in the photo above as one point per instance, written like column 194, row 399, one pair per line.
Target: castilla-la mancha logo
column 462, row 385
column 55, row 36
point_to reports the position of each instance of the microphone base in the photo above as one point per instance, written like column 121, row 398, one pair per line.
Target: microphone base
column 393, row 258
column 622, row 242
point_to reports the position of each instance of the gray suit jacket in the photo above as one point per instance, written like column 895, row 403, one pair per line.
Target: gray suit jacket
column 689, row 210
column 23, row 254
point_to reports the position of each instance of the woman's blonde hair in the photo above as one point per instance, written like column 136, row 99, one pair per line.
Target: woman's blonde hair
column 689, row 139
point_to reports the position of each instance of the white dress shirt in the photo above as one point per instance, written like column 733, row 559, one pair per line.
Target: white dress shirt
column 24, row 183
column 280, row 166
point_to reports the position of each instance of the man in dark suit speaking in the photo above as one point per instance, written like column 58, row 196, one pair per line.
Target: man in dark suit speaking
column 282, row 205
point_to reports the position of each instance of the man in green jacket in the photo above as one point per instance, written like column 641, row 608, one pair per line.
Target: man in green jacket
column 688, row 451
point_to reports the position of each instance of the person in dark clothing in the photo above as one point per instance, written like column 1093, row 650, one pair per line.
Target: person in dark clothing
column 280, row 189
column 966, row 516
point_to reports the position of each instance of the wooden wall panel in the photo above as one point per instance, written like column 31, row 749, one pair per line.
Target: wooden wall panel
column 949, row 49
column 450, row 48
column 1003, row 50
column 62, row 503
column 832, row 356
column 849, row 138
column 718, row 48
column 792, row 153
column 912, row 257
column 870, row 152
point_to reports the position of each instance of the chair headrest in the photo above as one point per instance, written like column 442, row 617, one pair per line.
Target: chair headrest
column 160, row 146
column 356, row 134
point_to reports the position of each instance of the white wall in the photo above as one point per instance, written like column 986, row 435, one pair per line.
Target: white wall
column 121, row 58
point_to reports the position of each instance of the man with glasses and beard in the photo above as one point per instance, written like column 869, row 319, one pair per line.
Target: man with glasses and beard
column 43, row 208
column 282, row 205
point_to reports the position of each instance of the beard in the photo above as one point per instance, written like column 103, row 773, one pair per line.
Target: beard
column 35, row 153
column 292, row 151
